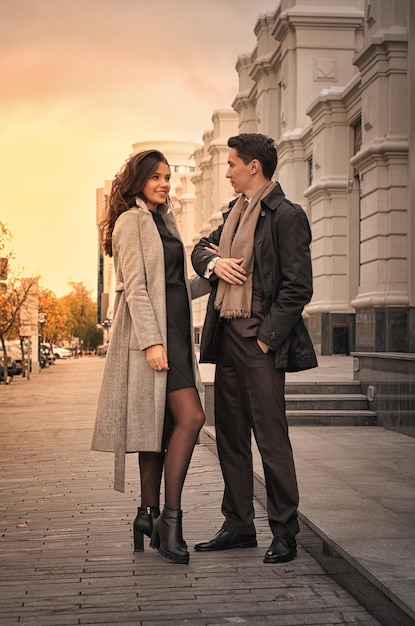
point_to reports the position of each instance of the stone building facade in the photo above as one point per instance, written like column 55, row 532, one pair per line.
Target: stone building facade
column 333, row 83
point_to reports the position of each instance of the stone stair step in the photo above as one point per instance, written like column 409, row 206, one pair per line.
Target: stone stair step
column 322, row 387
column 331, row 418
column 327, row 401
column 322, row 403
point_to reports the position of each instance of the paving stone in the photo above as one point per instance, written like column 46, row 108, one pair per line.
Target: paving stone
column 66, row 552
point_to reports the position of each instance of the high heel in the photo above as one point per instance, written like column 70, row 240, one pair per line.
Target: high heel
column 143, row 525
column 167, row 536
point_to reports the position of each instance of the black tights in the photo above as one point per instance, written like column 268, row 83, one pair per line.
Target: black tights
column 183, row 420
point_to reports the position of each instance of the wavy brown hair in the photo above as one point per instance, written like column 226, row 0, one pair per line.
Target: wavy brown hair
column 126, row 186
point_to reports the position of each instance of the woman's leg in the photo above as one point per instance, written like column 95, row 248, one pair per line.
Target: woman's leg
column 187, row 416
column 151, row 470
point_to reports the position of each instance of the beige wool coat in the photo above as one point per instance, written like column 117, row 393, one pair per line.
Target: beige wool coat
column 132, row 397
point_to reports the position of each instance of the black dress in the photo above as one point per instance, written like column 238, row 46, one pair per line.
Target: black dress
column 179, row 352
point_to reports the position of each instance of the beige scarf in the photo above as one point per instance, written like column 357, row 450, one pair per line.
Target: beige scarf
column 234, row 301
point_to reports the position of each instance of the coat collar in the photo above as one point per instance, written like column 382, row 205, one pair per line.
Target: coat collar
column 140, row 204
column 274, row 198
column 165, row 210
column 272, row 201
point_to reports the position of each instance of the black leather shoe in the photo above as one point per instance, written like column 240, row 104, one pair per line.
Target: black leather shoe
column 224, row 540
column 281, row 550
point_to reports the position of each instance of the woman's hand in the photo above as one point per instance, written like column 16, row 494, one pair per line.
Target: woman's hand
column 212, row 247
column 157, row 358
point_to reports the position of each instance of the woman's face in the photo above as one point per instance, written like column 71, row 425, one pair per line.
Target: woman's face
column 157, row 187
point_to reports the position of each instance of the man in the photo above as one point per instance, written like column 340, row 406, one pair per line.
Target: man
column 259, row 264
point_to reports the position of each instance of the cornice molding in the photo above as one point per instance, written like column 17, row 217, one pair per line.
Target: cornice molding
column 244, row 61
column 338, row 306
column 383, row 149
column 242, row 101
column 317, row 18
column 381, row 45
column 328, row 100
column 264, row 21
column 261, row 67
column 327, row 186
column 380, row 298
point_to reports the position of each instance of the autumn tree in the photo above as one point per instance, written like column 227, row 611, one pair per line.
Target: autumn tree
column 13, row 295
column 52, row 317
column 81, row 314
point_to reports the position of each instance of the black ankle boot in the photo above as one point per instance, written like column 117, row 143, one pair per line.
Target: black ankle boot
column 168, row 537
column 143, row 525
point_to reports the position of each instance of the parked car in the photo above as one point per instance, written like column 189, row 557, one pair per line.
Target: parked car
column 102, row 350
column 15, row 351
column 61, row 353
column 11, row 367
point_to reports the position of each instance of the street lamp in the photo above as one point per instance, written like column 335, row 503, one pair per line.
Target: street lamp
column 41, row 340
column 42, row 320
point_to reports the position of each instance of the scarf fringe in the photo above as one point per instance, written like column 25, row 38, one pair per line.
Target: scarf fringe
column 232, row 314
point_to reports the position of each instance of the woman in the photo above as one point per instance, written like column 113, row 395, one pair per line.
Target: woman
column 148, row 401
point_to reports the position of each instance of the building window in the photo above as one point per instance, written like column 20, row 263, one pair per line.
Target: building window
column 357, row 136
column 182, row 169
column 310, row 171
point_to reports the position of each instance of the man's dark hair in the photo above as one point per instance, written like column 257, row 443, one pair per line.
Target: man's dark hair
column 250, row 146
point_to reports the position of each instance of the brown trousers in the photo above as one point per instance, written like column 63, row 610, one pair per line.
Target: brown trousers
column 249, row 396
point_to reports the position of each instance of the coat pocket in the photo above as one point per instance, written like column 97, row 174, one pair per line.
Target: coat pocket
column 297, row 352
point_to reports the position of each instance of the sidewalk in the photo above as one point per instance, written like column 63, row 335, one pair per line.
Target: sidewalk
column 357, row 502
column 66, row 536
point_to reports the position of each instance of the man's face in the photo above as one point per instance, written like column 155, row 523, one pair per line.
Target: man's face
column 239, row 174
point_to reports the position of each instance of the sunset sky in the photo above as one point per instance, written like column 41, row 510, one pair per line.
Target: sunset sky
column 81, row 81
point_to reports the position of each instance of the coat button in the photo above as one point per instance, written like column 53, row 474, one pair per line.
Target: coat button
column 258, row 240
column 273, row 335
column 263, row 213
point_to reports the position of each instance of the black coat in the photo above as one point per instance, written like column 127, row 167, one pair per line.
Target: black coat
column 282, row 258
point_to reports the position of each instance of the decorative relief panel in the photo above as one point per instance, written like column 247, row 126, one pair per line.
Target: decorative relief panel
column 325, row 69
